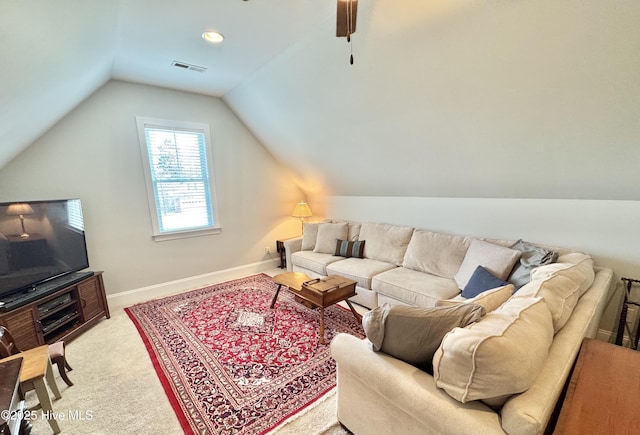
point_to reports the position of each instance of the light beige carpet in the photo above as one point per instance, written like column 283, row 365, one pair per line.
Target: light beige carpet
column 116, row 390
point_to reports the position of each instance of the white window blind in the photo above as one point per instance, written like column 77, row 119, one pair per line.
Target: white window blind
column 74, row 214
column 178, row 177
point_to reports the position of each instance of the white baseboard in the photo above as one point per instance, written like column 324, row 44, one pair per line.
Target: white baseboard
column 606, row 336
column 610, row 337
column 156, row 291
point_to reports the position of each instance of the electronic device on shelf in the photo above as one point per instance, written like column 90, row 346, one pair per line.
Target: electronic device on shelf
column 54, row 303
column 52, row 322
column 16, row 300
column 42, row 249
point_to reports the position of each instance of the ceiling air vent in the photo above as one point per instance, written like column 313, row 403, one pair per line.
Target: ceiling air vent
column 188, row 66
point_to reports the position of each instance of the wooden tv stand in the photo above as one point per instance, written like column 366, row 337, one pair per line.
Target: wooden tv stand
column 61, row 315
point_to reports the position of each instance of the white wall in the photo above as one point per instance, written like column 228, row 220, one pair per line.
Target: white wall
column 94, row 154
column 608, row 230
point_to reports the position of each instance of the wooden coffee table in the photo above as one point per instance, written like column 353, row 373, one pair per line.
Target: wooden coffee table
column 293, row 281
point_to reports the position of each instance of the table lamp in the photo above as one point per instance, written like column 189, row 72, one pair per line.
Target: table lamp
column 301, row 210
column 20, row 209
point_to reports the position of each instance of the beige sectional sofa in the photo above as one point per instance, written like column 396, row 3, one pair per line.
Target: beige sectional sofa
column 501, row 374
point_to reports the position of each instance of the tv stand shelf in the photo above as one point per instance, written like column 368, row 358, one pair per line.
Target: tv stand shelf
column 60, row 315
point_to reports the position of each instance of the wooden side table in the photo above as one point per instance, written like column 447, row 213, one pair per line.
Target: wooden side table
column 602, row 396
column 36, row 367
column 281, row 250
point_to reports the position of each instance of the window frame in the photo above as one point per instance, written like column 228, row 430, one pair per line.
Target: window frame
column 165, row 124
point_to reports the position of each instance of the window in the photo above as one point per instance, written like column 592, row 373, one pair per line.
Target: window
column 177, row 165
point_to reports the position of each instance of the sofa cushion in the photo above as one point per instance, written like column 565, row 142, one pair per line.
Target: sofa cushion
column 347, row 248
column 328, row 233
column 532, row 257
column 490, row 299
column 498, row 356
column 481, row 280
column 412, row 334
column 386, row 243
column 413, row 287
column 583, row 263
column 354, row 229
column 314, row 261
column 495, row 258
column 435, row 253
column 361, row 270
column 560, row 285
column 309, row 236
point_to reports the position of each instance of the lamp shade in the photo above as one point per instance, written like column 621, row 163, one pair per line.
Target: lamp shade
column 301, row 210
column 19, row 209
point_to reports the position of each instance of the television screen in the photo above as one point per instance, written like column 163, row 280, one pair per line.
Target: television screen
column 40, row 240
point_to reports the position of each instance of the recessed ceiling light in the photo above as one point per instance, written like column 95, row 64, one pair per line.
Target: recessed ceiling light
column 215, row 37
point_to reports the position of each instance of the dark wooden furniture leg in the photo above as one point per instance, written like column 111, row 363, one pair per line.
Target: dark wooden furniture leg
column 57, row 357
column 322, row 325
column 275, row 296
column 355, row 313
column 281, row 250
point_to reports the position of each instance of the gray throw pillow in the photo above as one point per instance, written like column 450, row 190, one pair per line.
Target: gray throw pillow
column 532, row 257
column 413, row 334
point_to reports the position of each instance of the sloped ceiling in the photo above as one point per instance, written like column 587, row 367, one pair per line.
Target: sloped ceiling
column 55, row 53
column 526, row 99
column 447, row 98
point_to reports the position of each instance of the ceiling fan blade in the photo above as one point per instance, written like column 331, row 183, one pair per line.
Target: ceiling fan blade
column 346, row 17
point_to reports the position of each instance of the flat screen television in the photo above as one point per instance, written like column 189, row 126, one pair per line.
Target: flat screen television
column 39, row 241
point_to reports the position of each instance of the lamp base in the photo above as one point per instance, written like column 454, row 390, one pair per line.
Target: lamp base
column 24, row 236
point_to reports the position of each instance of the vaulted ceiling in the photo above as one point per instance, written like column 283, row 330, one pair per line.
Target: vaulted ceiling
column 449, row 98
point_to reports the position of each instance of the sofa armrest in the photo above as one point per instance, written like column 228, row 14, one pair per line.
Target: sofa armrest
column 398, row 397
column 531, row 411
column 291, row 246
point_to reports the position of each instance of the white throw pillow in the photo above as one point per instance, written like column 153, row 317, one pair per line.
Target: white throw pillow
column 309, row 236
column 327, row 236
column 498, row 356
column 495, row 258
column 490, row 299
column 560, row 285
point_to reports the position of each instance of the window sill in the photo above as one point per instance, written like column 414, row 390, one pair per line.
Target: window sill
column 186, row 234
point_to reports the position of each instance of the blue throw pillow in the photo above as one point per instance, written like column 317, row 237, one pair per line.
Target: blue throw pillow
column 481, row 281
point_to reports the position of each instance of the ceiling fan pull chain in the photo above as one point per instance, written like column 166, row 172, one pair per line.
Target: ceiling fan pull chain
column 346, row 22
column 349, row 27
column 351, row 55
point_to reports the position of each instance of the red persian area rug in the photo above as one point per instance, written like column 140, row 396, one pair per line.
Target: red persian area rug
column 231, row 365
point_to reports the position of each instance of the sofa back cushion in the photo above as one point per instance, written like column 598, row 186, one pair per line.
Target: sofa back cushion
column 354, row 229
column 498, row 356
column 384, row 242
column 560, row 285
column 436, row 253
